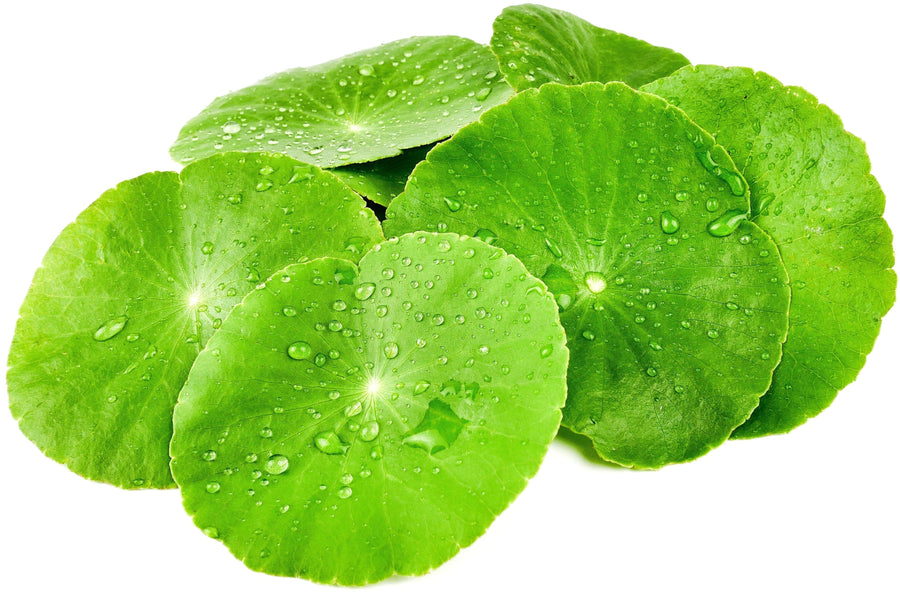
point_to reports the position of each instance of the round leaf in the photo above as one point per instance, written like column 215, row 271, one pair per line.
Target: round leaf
column 814, row 194
column 128, row 295
column 362, row 107
column 674, row 306
column 345, row 425
column 536, row 45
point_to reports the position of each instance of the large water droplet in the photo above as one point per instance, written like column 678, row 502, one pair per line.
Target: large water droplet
column 391, row 349
column 452, row 204
column 369, row 431
column 330, row 443
column 595, row 282
column 299, row 350
column 486, row 235
column 669, row 223
column 553, row 247
column 364, row 291
column 727, row 223
column 277, row 464
column 110, row 328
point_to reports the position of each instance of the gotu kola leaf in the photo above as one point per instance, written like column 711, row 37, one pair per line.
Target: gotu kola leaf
column 362, row 107
column 535, row 45
column 814, row 194
column 382, row 180
column 675, row 306
column 128, row 295
column 349, row 424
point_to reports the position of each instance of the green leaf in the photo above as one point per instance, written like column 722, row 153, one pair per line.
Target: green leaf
column 535, row 45
column 382, row 180
column 814, row 194
column 130, row 292
column 362, row 107
column 349, row 424
column 675, row 307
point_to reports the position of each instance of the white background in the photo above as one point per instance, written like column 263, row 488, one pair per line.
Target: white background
column 94, row 93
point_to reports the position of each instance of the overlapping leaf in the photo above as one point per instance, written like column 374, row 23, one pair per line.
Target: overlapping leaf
column 813, row 192
column 675, row 306
column 382, row 180
column 536, row 44
column 359, row 108
column 130, row 292
column 348, row 424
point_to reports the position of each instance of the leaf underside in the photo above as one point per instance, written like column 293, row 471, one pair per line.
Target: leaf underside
column 382, row 180
column 129, row 293
column 346, row 424
column 814, row 194
column 606, row 194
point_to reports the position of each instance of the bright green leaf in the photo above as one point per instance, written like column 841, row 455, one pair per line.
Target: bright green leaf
column 362, row 107
column 814, row 194
column 130, row 292
column 382, row 180
column 384, row 422
column 675, row 307
column 535, row 45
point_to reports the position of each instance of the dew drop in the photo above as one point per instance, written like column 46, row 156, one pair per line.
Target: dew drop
column 344, row 492
column 421, row 387
column 369, row 431
column 595, row 282
column 207, row 248
column 727, row 223
column 209, row 455
column 231, row 127
column 669, row 223
column 546, row 351
column 366, row 70
column 110, row 328
column 391, row 349
column 329, row 443
column 486, row 235
column 276, row 465
column 553, row 247
column 452, row 204
column 213, row 487
column 299, row 350
column 364, row 291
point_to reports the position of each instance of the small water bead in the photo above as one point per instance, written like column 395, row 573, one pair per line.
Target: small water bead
column 209, row 455
column 335, row 325
column 211, row 531
column 344, row 492
column 353, row 409
column 289, row 311
column 589, row 335
column 320, row 360
column 251, row 458
column 231, row 127
column 744, row 240
column 110, row 328
column 366, row 70
column 235, row 199
column 391, row 349
column 213, row 487
column 642, row 197
column 437, row 320
column 546, row 351
column 421, row 387
column 377, row 452
column 712, row 334
column 299, row 350
column 669, row 223
column 452, row 204
column 265, row 432
column 369, row 431
column 712, row 204
column 651, row 372
column 731, row 306
column 339, row 305
column 364, row 291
